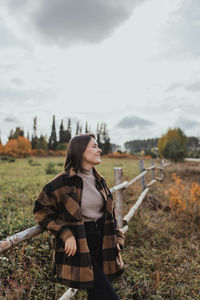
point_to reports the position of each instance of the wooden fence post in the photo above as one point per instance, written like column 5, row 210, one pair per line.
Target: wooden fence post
column 118, row 174
column 152, row 171
column 161, row 170
column 142, row 179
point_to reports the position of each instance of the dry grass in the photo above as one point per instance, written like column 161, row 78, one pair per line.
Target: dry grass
column 162, row 247
column 161, row 251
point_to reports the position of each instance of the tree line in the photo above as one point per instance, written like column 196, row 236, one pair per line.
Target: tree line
column 17, row 142
column 172, row 145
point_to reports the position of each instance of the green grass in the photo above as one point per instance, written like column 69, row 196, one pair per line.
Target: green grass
column 161, row 251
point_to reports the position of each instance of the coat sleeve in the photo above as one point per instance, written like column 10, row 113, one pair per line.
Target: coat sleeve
column 46, row 215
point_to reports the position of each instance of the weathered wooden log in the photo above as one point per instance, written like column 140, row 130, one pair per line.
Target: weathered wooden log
column 135, row 207
column 68, row 294
column 124, row 229
column 159, row 178
column 136, row 178
column 158, row 168
column 151, row 183
column 150, row 168
column 19, row 237
column 119, row 186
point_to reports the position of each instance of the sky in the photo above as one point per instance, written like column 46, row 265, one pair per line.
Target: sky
column 133, row 64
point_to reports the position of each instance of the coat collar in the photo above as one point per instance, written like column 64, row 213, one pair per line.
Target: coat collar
column 72, row 172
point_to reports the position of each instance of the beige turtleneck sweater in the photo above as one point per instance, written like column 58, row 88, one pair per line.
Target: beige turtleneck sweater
column 92, row 201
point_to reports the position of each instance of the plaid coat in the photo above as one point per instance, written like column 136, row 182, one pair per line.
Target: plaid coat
column 57, row 209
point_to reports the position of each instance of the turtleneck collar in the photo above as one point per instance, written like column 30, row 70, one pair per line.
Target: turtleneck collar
column 71, row 172
column 87, row 172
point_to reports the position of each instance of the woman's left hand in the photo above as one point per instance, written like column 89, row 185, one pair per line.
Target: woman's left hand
column 118, row 247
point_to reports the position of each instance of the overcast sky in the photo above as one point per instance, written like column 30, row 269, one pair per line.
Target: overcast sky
column 130, row 63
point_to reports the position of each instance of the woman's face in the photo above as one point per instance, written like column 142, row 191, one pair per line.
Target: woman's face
column 91, row 155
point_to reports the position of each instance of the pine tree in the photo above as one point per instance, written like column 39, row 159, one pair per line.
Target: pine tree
column 53, row 138
column 68, row 133
column 103, row 139
column 35, row 127
column 77, row 127
column 15, row 134
column 99, row 137
column 21, row 133
column 61, row 133
column 86, row 127
column 11, row 134
column 42, row 142
column 106, row 140
column 34, row 141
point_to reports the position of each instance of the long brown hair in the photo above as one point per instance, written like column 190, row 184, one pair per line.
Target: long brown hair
column 75, row 149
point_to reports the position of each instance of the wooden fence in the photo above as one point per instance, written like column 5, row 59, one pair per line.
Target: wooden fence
column 120, row 185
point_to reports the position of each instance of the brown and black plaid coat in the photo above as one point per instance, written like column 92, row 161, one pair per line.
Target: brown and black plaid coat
column 58, row 209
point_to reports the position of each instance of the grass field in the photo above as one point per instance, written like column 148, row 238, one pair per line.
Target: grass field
column 161, row 251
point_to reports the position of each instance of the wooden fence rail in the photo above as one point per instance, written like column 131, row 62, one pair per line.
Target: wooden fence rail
column 27, row 234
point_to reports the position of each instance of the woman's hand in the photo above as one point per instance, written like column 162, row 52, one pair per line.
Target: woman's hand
column 70, row 246
column 118, row 247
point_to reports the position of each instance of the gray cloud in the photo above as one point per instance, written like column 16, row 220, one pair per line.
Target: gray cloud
column 181, row 35
column 18, row 96
column 67, row 22
column 133, row 122
column 174, row 86
column 11, row 120
column 16, row 81
column 192, row 87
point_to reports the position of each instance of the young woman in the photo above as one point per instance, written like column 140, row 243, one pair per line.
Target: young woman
column 77, row 208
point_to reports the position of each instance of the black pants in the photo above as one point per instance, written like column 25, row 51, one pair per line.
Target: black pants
column 103, row 289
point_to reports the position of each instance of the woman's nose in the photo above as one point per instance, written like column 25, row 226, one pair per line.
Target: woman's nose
column 99, row 150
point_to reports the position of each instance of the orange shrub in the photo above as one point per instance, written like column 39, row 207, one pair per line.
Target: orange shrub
column 176, row 200
column 20, row 147
column 51, row 153
column 195, row 192
column 176, row 195
column 61, row 153
column 195, row 195
column 45, row 153
column 39, row 152
column 1, row 149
